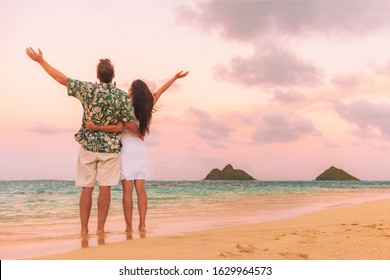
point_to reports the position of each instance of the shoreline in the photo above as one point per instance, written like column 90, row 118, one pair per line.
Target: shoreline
column 358, row 231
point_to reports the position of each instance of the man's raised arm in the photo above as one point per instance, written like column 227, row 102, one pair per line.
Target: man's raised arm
column 54, row 73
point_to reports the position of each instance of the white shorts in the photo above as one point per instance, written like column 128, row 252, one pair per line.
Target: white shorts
column 93, row 166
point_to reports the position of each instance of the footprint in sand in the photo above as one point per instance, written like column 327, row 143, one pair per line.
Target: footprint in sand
column 294, row 256
column 228, row 254
column 309, row 236
column 246, row 249
column 277, row 237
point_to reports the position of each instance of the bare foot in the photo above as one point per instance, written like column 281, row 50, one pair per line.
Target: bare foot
column 129, row 235
column 84, row 240
column 101, row 239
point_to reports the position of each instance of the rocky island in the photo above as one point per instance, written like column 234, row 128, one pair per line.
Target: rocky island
column 228, row 173
column 335, row 174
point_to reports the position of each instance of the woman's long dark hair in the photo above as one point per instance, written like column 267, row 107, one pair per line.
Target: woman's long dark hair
column 143, row 105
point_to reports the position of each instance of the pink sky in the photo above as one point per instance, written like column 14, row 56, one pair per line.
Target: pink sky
column 280, row 89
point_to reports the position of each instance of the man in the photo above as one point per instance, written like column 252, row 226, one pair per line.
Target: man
column 103, row 104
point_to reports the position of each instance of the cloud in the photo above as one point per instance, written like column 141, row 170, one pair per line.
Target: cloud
column 211, row 129
column 368, row 117
column 383, row 69
column 287, row 97
column 259, row 22
column 275, row 66
column 248, row 20
column 45, row 129
column 279, row 127
column 346, row 81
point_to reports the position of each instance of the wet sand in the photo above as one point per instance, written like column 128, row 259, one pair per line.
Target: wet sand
column 358, row 232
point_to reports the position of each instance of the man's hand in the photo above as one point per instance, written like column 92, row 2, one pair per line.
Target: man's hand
column 54, row 73
column 90, row 125
column 37, row 57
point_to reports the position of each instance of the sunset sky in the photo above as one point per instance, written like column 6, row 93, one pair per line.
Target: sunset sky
column 280, row 89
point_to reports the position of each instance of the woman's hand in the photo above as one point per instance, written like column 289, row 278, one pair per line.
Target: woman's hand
column 180, row 74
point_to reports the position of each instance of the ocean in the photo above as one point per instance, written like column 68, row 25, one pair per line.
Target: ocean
column 41, row 217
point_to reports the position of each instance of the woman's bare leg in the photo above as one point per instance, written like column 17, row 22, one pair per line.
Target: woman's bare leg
column 142, row 203
column 127, row 187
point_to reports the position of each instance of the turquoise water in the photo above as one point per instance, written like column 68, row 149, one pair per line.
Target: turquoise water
column 39, row 217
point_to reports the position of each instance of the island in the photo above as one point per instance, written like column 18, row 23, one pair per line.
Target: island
column 335, row 174
column 228, row 173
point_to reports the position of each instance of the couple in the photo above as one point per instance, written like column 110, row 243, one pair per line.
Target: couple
column 109, row 111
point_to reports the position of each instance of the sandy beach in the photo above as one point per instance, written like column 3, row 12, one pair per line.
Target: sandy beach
column 358, row 232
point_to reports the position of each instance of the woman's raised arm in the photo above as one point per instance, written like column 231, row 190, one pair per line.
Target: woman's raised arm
column 160, row 91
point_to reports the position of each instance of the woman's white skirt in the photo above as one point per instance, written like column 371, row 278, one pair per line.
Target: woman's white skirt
column 134, row 161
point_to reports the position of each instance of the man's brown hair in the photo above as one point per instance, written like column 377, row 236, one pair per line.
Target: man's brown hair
column 105, row 70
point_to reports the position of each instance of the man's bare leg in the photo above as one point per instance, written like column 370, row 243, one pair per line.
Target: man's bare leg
column 85, row 205
column 142, row 203
column 127, row 187
column 104, row 200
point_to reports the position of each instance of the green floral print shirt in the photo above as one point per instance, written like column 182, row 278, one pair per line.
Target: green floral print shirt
column 103, row 104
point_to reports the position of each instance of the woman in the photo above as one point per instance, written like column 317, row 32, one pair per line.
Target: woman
column 134, row 164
